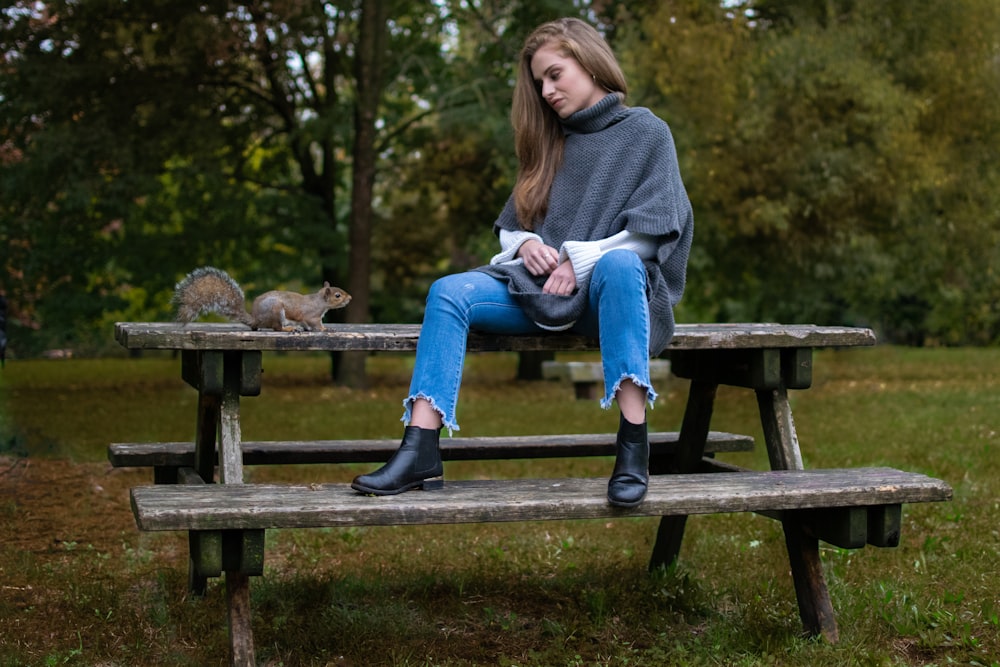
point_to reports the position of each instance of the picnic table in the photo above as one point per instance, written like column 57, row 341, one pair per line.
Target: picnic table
column 200, row 487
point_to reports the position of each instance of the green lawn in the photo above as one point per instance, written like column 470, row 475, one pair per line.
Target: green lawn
column 545, row 593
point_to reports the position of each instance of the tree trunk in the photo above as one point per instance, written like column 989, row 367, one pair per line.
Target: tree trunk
column 368, row 75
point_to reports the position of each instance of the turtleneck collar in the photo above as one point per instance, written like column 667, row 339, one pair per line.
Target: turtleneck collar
column 597, row 117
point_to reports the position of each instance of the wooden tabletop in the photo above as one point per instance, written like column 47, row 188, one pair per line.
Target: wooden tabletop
column 403, row 337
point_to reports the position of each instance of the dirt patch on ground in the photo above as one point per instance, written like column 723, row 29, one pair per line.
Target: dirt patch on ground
column 65, row 530
column 49, row 504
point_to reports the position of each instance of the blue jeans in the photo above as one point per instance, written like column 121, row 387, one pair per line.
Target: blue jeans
column 617, row 314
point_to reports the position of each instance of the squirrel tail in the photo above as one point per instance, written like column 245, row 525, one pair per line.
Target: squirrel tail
column 210, row 290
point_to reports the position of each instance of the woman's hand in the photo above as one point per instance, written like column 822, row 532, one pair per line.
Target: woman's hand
column 539, row 259
column 562, row 282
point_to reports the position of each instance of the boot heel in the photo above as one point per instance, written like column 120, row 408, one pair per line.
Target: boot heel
column 433, row 484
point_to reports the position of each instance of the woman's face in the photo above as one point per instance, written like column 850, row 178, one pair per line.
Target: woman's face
column 564, row 85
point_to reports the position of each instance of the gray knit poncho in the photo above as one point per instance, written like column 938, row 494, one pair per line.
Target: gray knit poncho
column 619, row 172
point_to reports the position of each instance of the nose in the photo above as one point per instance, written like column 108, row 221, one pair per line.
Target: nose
column 548, row 89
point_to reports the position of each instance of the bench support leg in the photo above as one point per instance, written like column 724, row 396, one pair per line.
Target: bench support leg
column 667, row 547
column 815, row 608
column 240, row 631
column 690, row 450
column 205, row 549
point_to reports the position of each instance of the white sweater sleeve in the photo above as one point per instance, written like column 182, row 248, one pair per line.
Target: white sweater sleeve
column 510, row 243
column 584, row 254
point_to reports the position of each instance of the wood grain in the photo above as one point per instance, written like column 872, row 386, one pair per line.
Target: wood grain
column 277, row 452
column 248, row 506
column 403, row 338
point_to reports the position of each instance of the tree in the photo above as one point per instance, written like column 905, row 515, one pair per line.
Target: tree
column 260, row 93
column 274, row 110
column 816, row 151
column 823, row 144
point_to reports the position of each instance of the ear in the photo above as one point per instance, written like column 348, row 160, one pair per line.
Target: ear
column 326, row 283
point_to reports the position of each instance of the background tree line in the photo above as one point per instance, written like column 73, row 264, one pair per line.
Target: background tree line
column 841, row 156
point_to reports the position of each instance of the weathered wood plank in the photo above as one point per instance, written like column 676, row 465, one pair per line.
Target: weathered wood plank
column 276, row 452
column 259, row 506
column 838, row 526
column 240, row 628
column 230, row 435
column 811, row 592
column 403, row 337
column 780, row 436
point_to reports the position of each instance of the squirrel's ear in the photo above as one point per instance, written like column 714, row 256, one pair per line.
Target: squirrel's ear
column 326, row 283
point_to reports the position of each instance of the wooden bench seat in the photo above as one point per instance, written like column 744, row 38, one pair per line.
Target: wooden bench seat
column 261, row 506
column 227, row 522
column 174, row 455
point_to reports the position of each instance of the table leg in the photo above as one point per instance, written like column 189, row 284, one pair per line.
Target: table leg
column 240, row 631
column 779, row 429
column 206, row 436
column 690, row 450
column 815, row 608
column 230, row 438
column 221, row 378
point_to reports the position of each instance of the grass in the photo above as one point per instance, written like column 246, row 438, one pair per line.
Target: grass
column 79, row 585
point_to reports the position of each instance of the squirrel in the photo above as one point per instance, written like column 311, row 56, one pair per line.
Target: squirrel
column 211, row 290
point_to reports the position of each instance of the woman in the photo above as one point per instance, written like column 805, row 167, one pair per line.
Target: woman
column 594, row 240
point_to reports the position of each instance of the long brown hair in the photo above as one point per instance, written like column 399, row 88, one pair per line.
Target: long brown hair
column 538, row 136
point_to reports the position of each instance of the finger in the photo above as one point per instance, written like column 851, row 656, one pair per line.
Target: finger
column 556, row 286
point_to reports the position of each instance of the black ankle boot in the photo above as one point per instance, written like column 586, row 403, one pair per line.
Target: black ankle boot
column 628, row 483
column 414, row 464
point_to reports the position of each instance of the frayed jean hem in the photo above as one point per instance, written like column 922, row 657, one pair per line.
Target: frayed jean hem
column 609, row 399
column 408, row 412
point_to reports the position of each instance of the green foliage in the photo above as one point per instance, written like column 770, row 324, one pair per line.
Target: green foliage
column 448, row 182
column 824, row 147
column 175, row 135
column 129, row 169
column 841, row 156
